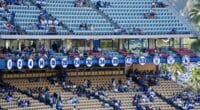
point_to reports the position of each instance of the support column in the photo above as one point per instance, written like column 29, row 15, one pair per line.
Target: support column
column 121, row 43
column 96, row 44
column 152, row 43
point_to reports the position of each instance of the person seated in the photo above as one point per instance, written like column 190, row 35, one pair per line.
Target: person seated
column 83, row 26
column 100, row 4
column 59, row 105
column 75, row 107
column 85, row 83
column 106, row 105
column 40, row 3
column 9, row 97
column 51, row 101
column 153, row 5
column 9, row 27
column 73, row 100
column 29, row 92
column 150, row 15
column 80, row 3
column 161, row 5
column 120, row 88
column 3, row 7
column 91, row 27
column 173, row 31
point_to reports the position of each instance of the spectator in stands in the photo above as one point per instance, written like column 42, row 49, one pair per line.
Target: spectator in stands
column 52, row 23
column 9, row 97
column 91, row 27
column 153, row 5
column 40, row 3
column 75, row 107
column 28, row 92
column 9, row 27
column 59, row 105
column 173, row 31
column 160, row 4
column 117, row 31
column 73, row 100
column 12, row 18
column 42, row 23
column 150, row 15
column 80, row 3
column 100, row 4
column 23, row 103
column 3, row 7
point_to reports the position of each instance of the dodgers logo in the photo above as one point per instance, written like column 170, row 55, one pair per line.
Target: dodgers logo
column 128, row 61
column 170, row 60
column 156, row 60
column 185, row 60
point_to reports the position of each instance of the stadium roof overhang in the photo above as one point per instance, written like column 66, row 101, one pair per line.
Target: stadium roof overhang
column 93, row 36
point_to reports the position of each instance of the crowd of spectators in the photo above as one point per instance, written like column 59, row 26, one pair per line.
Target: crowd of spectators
column 147, row 97
column 135, row 31
column 145, row 78
column 16, row 2
column 8, row 92
column 98, row 93
column 3, row 7
column 47, row 22
column 158, row 4
column 187, row 100
column 80, row 3
column 23, row 103
column 51, row 99
column 9, row 24
column 151, row 14
column 40, row 3
column 85, row 26
column 102, row 4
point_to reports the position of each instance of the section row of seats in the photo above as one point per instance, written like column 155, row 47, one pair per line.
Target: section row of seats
column 83, row 19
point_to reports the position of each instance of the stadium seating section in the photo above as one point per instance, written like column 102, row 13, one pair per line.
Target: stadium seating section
column 127, row 14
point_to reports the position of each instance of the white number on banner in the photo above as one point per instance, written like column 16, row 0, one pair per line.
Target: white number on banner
column 115, row 61
column 19, row 63
column 102, row 62
column 88, row 62
column 170, row 60
column 9, row 64
column 41, row 63
column 53, row 63
column 185, row 60
column 30, row 63
column 156, row 60
column 128, row 61
column 142, row 60
column 77, row 62
column 64, row 63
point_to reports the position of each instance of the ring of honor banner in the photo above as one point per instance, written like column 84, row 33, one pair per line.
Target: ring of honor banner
column 91, row 61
